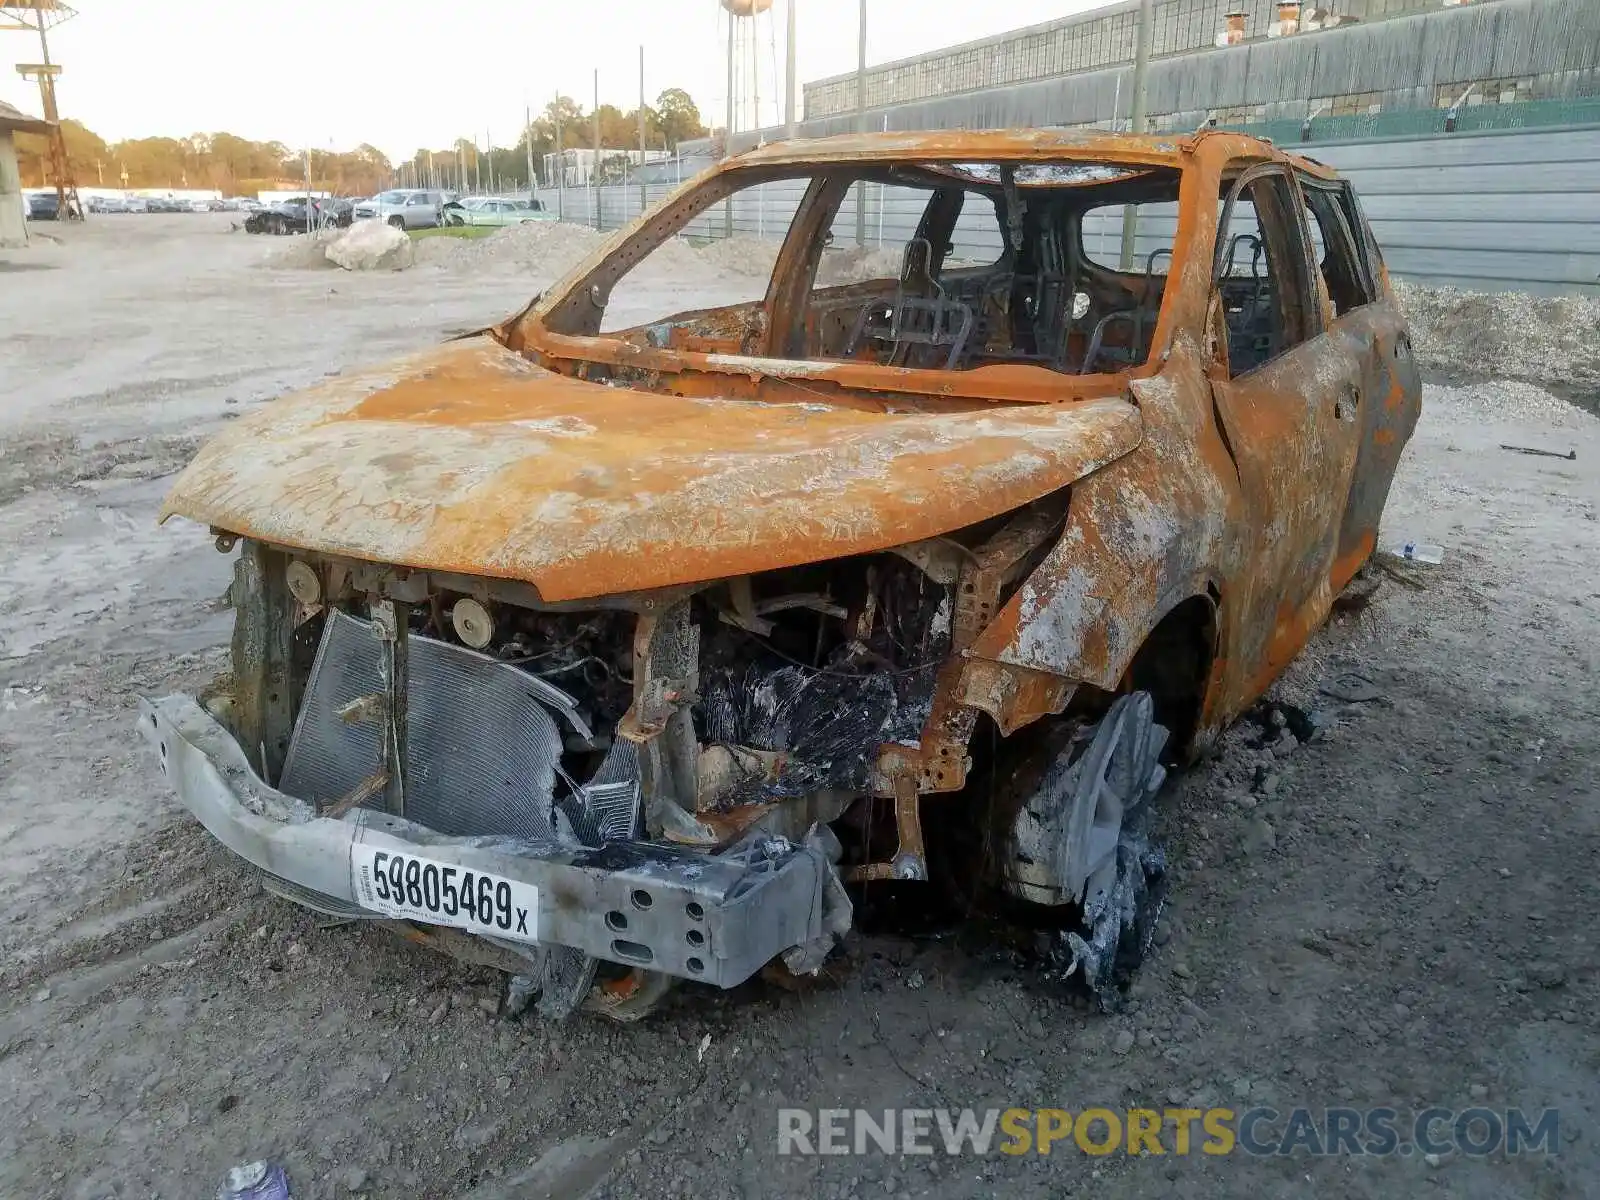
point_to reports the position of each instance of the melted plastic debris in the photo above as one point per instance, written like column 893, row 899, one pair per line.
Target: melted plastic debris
column 827, row 724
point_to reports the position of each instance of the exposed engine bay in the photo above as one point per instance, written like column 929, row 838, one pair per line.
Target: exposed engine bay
column 796, row 713
column 763, row 700
column 769, row 692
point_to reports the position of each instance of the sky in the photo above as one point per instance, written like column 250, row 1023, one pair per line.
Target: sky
column 403, row 74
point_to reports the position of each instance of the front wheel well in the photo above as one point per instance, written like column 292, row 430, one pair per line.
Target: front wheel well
column 1174, row 665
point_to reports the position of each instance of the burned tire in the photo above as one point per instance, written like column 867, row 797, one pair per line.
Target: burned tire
column 1077, row 850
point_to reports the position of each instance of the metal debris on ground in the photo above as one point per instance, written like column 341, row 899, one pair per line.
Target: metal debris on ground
column 1274, row 716
column 1569, row 456
column 1352, row 687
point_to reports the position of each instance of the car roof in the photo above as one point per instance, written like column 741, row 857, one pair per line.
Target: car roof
column 1020, row 145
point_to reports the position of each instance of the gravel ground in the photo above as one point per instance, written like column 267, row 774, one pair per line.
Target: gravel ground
column 1397, row 912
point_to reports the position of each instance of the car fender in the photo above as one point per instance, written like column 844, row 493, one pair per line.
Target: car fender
column 1142, row 535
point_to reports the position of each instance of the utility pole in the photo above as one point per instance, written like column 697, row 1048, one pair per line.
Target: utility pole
column 561, row 164
column 527, row 142
column 1141, row 64
column 727, row 133
column 790, row 127
column 642, row 194
column 594, row 167
column 861, row 119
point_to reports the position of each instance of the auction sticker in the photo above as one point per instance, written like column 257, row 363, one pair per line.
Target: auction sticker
column 419, row 889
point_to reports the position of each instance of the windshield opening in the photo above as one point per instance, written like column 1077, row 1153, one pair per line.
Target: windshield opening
column 923, row 265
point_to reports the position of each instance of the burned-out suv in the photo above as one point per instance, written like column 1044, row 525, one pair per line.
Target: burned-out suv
column 626, row 641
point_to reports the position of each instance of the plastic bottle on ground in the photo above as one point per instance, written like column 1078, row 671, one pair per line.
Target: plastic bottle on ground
column 1418, row 552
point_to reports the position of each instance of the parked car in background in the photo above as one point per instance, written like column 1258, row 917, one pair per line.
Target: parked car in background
column 200, row 205
column 299, row 214
column 43, row 206
column 107, row 204
column 336, row 210
column 406, row 208
column 136, row 204
column 494, row 211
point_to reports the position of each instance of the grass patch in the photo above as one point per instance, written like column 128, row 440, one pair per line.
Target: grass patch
column 460, row 231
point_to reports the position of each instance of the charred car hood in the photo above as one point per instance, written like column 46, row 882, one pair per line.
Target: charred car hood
column 469, row 458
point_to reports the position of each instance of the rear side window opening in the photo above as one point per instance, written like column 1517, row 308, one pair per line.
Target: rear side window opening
column 931, row 266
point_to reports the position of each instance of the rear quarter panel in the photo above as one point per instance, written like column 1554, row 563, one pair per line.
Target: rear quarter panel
column 1391, row 403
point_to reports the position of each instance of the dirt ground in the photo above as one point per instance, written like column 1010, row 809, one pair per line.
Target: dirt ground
column 1399, row 912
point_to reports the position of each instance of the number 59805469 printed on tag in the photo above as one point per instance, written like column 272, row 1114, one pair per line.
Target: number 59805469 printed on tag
column 421, row 889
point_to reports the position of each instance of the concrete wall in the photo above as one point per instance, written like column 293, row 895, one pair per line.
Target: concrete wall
column 13, row 225
column 1500, row 211
column 1394, row 62
column 1412, row 62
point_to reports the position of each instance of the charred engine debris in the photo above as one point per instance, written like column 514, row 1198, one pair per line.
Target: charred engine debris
column 805, row 679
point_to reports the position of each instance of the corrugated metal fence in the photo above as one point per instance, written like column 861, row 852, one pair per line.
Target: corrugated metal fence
column 1492, row 211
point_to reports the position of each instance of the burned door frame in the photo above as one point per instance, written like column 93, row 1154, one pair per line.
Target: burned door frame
column 1391, row 383
column 1292, row 429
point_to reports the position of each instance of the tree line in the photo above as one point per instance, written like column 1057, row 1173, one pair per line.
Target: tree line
column 238, row 166
column 673, row 118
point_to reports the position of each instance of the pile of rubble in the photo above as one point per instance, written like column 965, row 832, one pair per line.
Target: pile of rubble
column 543, row 248
column 1549, row 340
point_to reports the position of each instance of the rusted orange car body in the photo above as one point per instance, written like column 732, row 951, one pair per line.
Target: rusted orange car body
column 1168, row 501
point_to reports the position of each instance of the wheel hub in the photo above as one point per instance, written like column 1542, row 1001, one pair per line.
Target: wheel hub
column 1081, row 839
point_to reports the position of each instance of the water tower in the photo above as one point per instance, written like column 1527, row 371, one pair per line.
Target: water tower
column 750, row 39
